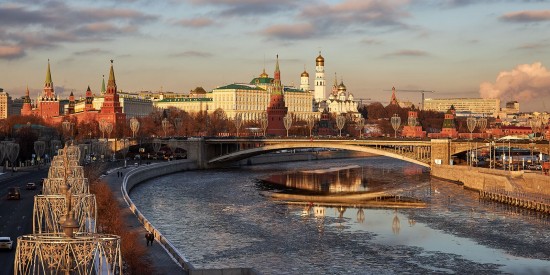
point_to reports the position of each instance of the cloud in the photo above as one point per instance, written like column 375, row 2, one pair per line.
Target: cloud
column 532, row 46
column 192, row 54
column 290, row 31
column 526, row 82
column 526, row 16
column 371, row 41
column 248, row 7
column 11, row 52
column 408, row 53
column 199, row 22
column 93, row 51
column 324, row 19
column 48, row 24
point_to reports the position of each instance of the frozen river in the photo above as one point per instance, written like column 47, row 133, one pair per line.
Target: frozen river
column 226, row 218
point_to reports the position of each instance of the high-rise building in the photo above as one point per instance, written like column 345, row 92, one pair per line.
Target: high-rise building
column 4, row 104
column 464, row 106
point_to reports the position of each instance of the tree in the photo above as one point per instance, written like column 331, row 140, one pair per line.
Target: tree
column 376, row 111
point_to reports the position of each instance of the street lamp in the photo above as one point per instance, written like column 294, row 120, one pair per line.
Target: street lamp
column 238, row 122
column 264, row 122
column 134, row 126
column 310, row 124
column 165, row 123
column 471, row 123
column 287, row 121
column 395, row 123
column 360, row 124
column 340, row 122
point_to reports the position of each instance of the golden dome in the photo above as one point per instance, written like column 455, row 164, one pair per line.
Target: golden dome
column 264, row 75
column 320, row 59
column 305, row 74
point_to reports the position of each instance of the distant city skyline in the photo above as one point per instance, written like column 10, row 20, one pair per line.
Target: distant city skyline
column 458, row 48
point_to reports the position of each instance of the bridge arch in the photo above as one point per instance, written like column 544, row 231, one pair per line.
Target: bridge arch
column 267, row 148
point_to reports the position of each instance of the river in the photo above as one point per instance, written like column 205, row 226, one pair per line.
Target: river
column 226, row 218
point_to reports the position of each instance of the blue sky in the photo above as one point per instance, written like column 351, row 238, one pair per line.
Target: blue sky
column 458, row 48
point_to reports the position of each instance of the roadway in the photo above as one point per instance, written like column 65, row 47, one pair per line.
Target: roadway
column 16, row 215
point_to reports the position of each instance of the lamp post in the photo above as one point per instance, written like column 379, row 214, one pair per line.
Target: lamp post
column 340, row 122
column 134, row 126
column 238, row 120
column 165, row 123
column 395, row 123
column 264, row 122
column 310, row 124
column 287, row 120
column 471, row 123
column 359, row 125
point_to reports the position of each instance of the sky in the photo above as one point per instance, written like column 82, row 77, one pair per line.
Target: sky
column 456, row 48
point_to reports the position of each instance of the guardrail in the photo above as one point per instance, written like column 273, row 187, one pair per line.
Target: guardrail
column 136, row 176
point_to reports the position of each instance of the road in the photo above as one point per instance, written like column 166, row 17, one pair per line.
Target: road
column 16, row 215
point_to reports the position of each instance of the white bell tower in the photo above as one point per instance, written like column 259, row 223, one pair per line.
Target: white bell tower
column 320, row 87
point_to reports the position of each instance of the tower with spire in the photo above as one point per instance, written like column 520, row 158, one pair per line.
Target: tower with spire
column 88, row 106
column 276, row 110
column 48, row 104
column 26, row 110
column 70, row 109
column 111, row 111
column 320, row 87
column 393, row 100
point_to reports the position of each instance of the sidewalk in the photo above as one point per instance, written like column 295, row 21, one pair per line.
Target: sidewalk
column 161, row 260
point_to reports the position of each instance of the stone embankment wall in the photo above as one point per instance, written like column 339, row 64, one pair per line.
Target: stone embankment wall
column 485, row 179
column 144, row 173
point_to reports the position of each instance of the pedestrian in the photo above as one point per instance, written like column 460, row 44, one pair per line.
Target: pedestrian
column 148, row 237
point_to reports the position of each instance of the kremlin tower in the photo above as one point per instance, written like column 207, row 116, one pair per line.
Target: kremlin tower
column 27, row 108
column 48, row 104
column 111, row 111
column 276, row 110
column 393, row 100
column 89, row 100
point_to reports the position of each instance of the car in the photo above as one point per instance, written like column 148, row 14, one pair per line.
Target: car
column 30, row 186
column 14, row 193
column 6, row 243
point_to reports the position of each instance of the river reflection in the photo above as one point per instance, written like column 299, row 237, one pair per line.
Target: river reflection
column 226, row 218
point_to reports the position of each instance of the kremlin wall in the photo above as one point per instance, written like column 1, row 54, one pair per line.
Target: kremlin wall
column 263, row 96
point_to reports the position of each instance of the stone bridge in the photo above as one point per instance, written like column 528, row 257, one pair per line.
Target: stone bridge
column 211, row 152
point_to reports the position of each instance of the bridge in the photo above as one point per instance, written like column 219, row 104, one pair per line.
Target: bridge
column 212, row 152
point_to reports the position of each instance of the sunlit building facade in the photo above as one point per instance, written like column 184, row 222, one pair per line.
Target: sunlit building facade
column 465, row 106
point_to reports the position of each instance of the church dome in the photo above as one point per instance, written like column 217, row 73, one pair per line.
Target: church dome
column 342, row 87
column 264, row 75
column 320, row 60
column 305, row 74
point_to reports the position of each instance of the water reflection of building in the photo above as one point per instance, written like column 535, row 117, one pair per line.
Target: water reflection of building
column 345, row 180
column 319, row 211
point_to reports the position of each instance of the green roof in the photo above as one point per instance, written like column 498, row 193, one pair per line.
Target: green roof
column 262, row 80
column 293, row 90
column 236, row 86
column 185, row 99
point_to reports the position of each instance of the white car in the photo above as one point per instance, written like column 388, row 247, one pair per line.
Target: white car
column 6, row 243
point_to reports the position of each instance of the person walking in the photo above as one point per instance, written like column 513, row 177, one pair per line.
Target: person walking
column 150, row 238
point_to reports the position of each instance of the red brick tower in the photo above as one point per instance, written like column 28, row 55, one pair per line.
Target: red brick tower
column 111, row 111
column 413, row 127
column 89, row 100
column 26, row 110
column 276, row 110
column 48, row 104
column 70, row 109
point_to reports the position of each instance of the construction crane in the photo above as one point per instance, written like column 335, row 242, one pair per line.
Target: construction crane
column 413, row 91
column 361, row 100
